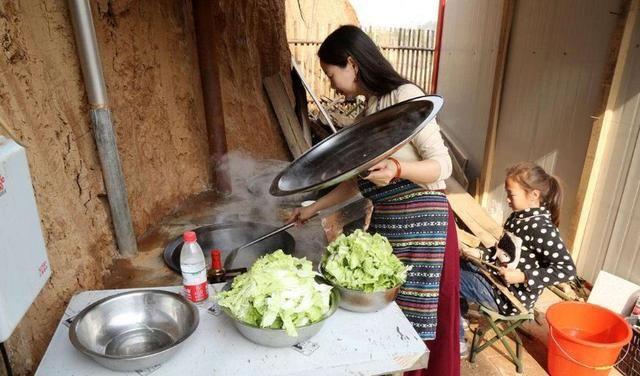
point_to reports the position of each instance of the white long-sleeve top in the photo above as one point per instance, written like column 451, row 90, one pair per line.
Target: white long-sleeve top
column 427, row 144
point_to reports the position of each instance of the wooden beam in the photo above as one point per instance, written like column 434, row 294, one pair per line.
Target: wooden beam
column 468, row 239
column 496, row 96
column 281, row 103
column 473, row 215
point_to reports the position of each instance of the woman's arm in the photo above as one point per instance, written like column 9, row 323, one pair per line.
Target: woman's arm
column 420, row 172
column 341, row 193
column 435, row 163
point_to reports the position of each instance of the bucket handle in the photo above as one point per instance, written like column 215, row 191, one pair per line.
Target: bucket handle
column 597, row 368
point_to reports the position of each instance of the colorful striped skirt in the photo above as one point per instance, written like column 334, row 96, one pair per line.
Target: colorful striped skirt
column 415, row 221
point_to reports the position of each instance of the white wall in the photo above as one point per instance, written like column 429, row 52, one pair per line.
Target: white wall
column 553, row 86
column 612, row 218
column 467, row 64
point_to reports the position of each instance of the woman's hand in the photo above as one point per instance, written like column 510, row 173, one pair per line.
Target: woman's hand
column 382, row 173
column 301, row 215
column 512, row 276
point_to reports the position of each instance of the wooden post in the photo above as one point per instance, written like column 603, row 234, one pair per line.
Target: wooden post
column 494, row 111
column 398, row 51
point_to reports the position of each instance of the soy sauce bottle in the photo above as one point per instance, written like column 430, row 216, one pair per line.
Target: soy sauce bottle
column 216, row 273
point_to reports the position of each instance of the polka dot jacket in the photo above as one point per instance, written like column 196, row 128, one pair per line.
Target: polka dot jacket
column 544, row 258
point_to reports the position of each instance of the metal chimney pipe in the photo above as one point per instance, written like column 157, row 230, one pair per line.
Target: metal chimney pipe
column 102, row 125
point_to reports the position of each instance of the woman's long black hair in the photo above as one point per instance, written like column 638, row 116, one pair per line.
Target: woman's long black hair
column 375, row 73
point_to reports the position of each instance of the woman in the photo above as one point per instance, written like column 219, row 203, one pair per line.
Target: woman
column 407, row 191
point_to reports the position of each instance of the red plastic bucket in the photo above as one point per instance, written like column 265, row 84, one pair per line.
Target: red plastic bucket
column 584, row 339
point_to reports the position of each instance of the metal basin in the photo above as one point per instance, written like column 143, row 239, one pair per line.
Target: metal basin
column 134, row 330
column 279, row 337
column 228, row 236
column 360, row 301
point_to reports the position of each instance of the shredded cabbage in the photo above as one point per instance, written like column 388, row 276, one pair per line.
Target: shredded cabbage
column 279, row 292
column 363, row 262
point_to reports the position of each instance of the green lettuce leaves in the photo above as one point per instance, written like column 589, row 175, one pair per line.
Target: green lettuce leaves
column 363, row 262
column 279, row 292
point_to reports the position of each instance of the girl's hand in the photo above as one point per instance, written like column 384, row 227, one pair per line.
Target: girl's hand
column 512, row 276
column 382, row 173
column 302, row 214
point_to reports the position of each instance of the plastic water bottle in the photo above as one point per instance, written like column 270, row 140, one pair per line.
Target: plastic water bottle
column 194, row 269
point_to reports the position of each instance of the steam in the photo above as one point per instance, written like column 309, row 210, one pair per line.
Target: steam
column 250, row 201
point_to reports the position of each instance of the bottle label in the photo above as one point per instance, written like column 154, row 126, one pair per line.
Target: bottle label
column 196, row 293
column 195, row 282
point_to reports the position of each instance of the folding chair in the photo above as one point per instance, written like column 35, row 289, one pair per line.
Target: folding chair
column 501, row 326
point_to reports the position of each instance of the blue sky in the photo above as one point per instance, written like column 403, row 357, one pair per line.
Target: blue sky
column 396, row 12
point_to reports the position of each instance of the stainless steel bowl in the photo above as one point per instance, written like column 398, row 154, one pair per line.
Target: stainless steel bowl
column 279, row 337
column 134, row 330
column 360, row 301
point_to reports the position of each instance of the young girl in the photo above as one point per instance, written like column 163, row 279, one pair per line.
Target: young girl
column 409, row 205
column 531, row 255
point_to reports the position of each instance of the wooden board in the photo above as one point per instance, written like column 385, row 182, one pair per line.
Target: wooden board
column 301, row 107
column 472, row 214
column 468, row 239
column 276, row 90
column 496, row 96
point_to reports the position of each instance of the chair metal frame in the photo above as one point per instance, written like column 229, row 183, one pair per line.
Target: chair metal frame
column 495, row 320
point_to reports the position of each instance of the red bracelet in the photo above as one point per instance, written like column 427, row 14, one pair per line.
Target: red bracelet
column 398, row 168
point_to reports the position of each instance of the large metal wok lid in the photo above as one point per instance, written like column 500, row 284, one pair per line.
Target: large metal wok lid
column 355, row 149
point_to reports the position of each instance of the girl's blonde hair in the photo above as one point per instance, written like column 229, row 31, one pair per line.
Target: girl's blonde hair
column 530, row 176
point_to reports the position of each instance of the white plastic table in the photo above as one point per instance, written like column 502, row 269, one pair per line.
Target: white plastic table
column 348, row 344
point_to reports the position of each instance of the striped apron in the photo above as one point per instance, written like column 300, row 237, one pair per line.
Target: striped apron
column 415, row 221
